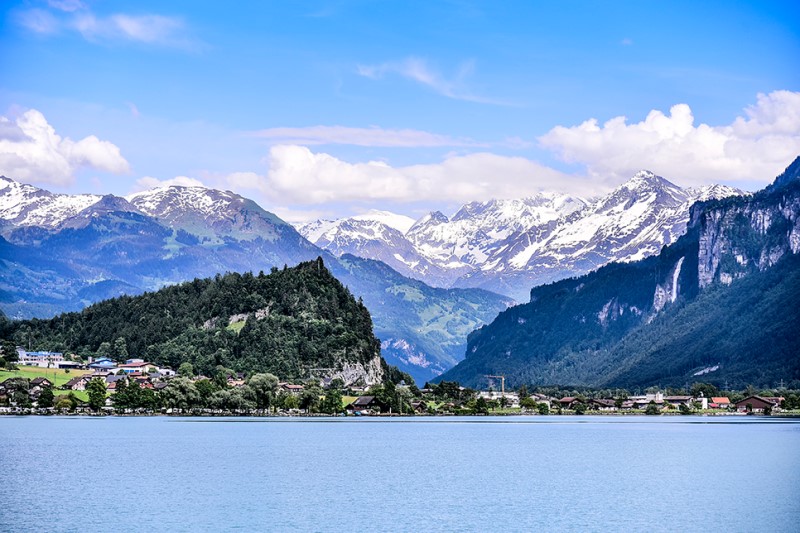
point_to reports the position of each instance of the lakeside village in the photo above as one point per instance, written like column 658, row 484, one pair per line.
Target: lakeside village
column 48, row 383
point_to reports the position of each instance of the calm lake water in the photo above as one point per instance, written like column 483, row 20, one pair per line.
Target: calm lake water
column 425, row 474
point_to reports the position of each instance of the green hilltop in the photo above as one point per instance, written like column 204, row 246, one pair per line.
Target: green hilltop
column 295, row 323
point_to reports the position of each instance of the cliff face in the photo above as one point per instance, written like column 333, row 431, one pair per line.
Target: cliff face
column 578, row 331
column 738, row 239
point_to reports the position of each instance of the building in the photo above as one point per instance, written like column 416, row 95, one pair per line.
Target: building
column 103, row 363
column 37, row 384
column 602, row 404
column 364, row 404
column 677, row 401
column 719, row 402
column 756, row 404
column 77, row 383
column 70, row 365
column 137, row 365
column 40, row 359
column 512, row 398
column 568, row 402
column 291, row 389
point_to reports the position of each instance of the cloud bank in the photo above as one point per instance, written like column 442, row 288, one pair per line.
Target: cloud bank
column 299, row 176
column 755, row 147
column 148, row 182
column 31, row 151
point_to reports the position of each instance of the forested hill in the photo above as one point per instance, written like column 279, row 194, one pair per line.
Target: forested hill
column 288, row 322
column 719, row 305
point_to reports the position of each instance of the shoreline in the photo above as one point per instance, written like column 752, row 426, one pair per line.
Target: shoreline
column 228, row 414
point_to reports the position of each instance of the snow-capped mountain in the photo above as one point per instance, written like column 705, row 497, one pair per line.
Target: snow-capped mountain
column 508, row 246
column 208, row 213
column 60, row 253
column 23, row 205
column 381, row 236
column 470, row 236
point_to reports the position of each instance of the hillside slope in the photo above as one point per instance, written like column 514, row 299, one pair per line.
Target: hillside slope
column 423, row 330
column 288, row 322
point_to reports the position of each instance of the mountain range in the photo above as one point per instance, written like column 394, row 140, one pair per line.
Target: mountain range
column 62, row 252
column 423, row 281
column 719, row 305
column 509, row 246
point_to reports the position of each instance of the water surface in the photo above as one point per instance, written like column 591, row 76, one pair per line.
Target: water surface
column 414, row 474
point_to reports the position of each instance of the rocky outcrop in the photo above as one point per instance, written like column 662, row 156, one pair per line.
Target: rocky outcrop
column 358, row 373
column 744, row 236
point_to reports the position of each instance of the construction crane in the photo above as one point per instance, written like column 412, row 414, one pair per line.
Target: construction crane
column 502, row 383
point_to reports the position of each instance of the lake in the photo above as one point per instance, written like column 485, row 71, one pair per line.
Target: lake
column 555, row 473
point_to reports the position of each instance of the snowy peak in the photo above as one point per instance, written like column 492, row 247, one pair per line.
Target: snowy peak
column 431, row 219
column 25, row 205
column 509, row 245
column 400, row 223
column 170, row 203
column 372, row 224
column 110, row 204
column 643, row 187
column 107, row 205
column 208, row 213
column 348, row 230
column 713, row 192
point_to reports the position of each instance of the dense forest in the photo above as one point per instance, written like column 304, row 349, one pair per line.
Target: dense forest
column 287, row 323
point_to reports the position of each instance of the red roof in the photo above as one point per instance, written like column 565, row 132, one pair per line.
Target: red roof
column 720, row 400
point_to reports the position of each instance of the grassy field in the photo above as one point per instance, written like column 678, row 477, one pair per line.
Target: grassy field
column 82, row 395
column 57, row 376
column 236, row 327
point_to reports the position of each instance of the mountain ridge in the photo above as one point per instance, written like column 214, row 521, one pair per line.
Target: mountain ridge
column 122, row 246
column 662, row 319
column 507, row 246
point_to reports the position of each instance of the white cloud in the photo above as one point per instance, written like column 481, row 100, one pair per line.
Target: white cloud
column 149, row 29
column 30, row 150
column 38, row 21
column 298, row 176
column 134, row 110
column 373, row 136
column 148, row 182
column 754, row 148
column 66, row 5
column 73, row 15
column 418, row 70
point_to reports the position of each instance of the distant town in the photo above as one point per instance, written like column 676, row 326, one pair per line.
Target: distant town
column 50, row 383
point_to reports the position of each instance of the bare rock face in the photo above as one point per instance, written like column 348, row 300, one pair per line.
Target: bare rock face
column 745, row 237
column 358, row 373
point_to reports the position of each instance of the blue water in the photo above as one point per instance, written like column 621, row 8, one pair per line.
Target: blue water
column 425, row 474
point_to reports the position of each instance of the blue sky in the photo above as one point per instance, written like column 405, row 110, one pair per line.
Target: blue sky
column 331, row 108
